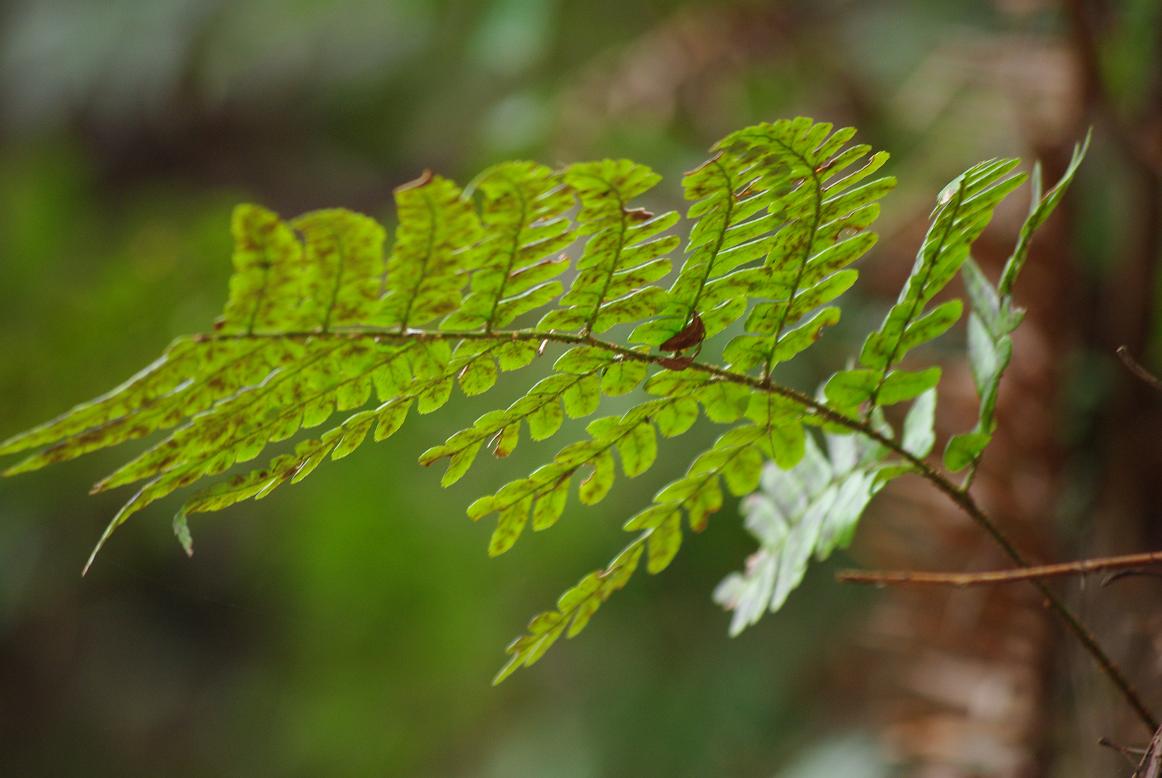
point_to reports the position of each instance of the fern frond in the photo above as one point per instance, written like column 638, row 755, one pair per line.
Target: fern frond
column 994, row 317
column 544, row 493
column 812, row 509
column 190, row 376
column 729, row 199
column 788, row 518
column 625, row 255
column 574, row 609
column 574, row 390
column 425, row 380
column 345, row 251
column 274, row 285
column 319, row 321
column 524, row 228
column 964, row 208
column 327, row 377
column 736, row 457
column 821, row 209
column 435, row 247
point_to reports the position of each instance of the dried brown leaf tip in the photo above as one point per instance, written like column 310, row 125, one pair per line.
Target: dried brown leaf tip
column 689, row 336
column 638, row 214
column 423, row 179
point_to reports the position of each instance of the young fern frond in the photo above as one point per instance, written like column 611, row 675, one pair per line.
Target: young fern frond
column 319, row 321
column 964, row 208
column 993, row 318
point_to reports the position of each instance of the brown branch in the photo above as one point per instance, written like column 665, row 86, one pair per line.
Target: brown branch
column 1060, row 570
column 1135, row 367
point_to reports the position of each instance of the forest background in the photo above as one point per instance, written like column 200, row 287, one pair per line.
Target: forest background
column 350, row 626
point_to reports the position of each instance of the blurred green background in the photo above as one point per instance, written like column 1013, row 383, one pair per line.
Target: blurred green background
column 351, row 625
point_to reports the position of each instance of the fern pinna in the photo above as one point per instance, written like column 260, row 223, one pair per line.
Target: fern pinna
column 320, row 320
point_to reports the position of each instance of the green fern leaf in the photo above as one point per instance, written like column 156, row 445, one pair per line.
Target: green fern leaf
column 632, row 438
column 963, row 210
column 574, row 610
column 994, row 318
column 320, row 322
column 821, row 208
column 736, row 457
column 803, row 512
column 625, row 255
column 524, row 228
column 729, row 203
column 275, row 285
column 573, row 390
column 424, row 378
column 343, row 255
column 330, row 375
column 189, row 377
column 435, row 246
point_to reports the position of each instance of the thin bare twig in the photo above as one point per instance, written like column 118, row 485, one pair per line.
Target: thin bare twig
column 1131, row 573
column 1131, row 755
column 1135, row 367
column 1059, row 570
column 1151, row 764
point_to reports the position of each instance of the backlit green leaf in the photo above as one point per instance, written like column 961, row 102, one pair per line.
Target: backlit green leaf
column 328, row 338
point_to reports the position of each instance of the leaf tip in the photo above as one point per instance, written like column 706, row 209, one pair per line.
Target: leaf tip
column 504, row 672
column 93, row 556
column 431, row 456
column 181, row 530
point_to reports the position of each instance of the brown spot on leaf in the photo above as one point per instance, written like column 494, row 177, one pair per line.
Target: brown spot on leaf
column 741, row 194
column 498, row 450
column 702, row 521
